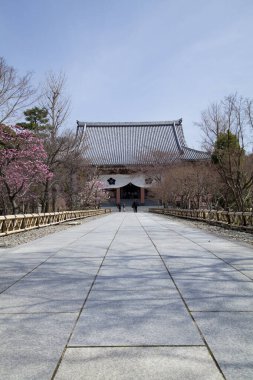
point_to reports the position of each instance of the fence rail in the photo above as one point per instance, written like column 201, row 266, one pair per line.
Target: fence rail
column 237, row 220
column 11, row 224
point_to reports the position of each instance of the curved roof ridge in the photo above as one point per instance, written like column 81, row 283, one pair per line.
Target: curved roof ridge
column 177, row 138
column 130, row 123
column 193, row 150
column 190, row 153
column 127, row 143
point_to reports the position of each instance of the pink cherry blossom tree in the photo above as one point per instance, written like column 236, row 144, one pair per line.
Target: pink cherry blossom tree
column 22, row 164
column 93, row 194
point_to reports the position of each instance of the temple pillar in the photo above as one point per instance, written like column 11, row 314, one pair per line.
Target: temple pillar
column 118, row 195
column 142, row 195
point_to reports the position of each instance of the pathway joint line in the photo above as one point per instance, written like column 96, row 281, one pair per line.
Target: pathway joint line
column 85, row 300
column 141, row 346
column 212, row 253
column 43, row 262
column 186, row 306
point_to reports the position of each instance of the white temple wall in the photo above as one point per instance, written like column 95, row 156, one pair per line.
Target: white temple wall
column 114, row 181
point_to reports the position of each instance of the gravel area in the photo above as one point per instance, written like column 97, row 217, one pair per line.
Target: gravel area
column 26, row 236
column 227, row 233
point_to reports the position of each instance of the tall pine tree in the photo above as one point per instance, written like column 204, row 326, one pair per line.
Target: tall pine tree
column 36, row 121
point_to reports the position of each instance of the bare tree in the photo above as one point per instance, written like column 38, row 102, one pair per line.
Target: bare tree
column 66, row 160
column 73, row 170
column 226, row 133
column 249, row 111
column 55, row 102
column 65, row 149
column 234, row 113
column 154, row 164
column 188, row 185
column 58, row 142
column 16, row 92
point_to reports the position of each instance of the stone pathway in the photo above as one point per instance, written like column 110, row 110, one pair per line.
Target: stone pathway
column 127, row 296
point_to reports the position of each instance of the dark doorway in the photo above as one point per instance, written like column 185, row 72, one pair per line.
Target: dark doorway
column 130, row 191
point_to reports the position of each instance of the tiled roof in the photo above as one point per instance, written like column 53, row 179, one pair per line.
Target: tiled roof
column 193, row 154
column 116, row 144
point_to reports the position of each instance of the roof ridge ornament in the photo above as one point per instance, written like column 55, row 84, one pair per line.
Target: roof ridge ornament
column 80, row 129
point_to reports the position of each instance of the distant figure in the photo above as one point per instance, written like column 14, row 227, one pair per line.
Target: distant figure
column 119, row 207
column 124, row 207
column 134, row 206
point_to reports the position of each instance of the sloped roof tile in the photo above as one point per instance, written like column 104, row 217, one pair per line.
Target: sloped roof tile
column 120, row 144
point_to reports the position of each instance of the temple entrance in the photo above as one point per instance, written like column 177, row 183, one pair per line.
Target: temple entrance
column 130, row 192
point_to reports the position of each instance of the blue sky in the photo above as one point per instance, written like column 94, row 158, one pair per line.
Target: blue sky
column 134, row 60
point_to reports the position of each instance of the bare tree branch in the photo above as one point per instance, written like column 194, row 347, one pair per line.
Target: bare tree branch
column 16, row 93
column 54, row 100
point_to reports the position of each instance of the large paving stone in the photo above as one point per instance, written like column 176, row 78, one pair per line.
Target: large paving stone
column 83, row 251
column 224, row 246
column 217, row 295
column 242, row 261
column 31, row 345
column 9, row 279
column 135, row 322
column 183, row 248
column 204, row 269
column 53, row 287
column 133, row 267
column 246, row 269
column 133, row 261
column 185, row 260
column 22, row 300
column 92, row 246
column 13, row 270
column 132, row 240
column 127, row 282
column 137, row 294
column 31, row 253
column 127, row 270
column 230, row 337
column 131, row 363
column 132, row 251
column 58, row 266
column 15, row 267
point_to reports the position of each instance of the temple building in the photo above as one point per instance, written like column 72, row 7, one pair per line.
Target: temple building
column 120, row 149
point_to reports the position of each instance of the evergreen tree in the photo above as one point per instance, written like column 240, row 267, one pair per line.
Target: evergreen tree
column 36, row 120
column 233, row 166
column 226, row 145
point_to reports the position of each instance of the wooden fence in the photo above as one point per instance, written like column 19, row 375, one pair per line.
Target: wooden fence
column 236, row 220
column 10, row 224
